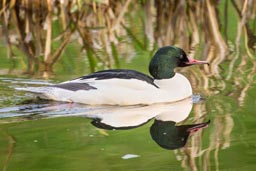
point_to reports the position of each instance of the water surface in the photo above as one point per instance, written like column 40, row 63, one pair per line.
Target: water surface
column 49, row 135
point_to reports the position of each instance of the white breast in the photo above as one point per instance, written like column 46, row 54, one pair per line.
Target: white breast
column 174, row 89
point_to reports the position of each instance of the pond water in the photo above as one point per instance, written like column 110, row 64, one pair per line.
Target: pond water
column 46, row 135
column 213, row 130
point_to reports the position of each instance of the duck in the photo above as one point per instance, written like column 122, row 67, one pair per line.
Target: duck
column 125, row 86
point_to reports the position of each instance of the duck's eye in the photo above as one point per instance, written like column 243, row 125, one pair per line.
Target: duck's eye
column 181, row 57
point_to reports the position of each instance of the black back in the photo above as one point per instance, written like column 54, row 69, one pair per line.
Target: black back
column 121, row 74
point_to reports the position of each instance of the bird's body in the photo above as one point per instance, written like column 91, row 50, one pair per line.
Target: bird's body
column 117, row 91
column 126, row 87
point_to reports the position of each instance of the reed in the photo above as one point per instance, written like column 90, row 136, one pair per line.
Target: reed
column 99, row 28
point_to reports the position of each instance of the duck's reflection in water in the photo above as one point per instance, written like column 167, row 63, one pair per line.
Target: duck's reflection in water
column 169, row 136
column 164, row 130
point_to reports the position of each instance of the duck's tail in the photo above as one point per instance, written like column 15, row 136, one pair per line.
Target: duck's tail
column 41, row 92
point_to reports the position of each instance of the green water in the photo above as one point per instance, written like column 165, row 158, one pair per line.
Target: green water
column 35, row 137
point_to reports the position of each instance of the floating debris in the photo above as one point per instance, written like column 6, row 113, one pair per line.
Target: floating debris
column 130, row 156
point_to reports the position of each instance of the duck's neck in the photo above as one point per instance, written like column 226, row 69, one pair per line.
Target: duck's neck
column 161, row 73
column 162, row 67
column 164, row 75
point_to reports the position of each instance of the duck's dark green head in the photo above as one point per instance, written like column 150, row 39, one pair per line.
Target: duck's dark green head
column 166, row 59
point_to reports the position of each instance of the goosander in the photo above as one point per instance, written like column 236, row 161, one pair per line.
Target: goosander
column 127, row 87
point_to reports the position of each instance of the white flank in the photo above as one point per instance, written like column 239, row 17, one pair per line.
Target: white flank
column 120, row 91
